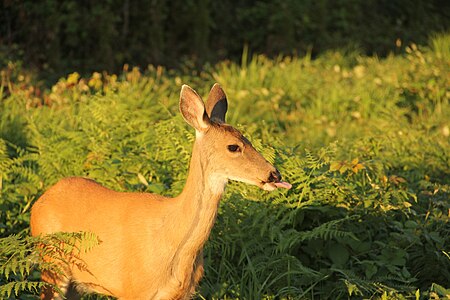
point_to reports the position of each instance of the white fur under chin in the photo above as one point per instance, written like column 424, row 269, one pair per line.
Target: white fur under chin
column 269, row 187
column 199, row 134
column 217, row 184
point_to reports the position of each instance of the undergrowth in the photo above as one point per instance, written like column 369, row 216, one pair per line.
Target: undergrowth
column 364, row 142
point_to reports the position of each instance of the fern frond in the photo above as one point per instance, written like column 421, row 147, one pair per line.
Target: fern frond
column 17, row 287
column 20, row 254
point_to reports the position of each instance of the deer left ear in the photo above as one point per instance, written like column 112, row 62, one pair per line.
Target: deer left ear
column 217, row 104
column 193, row 109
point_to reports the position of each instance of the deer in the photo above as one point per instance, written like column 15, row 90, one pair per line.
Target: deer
column 151, row 246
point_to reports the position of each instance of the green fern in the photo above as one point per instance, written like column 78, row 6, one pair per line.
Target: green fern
column 19, row 256
column 380, row 230
column 16, row 288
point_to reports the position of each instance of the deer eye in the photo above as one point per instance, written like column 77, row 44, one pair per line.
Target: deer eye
column 233, row 148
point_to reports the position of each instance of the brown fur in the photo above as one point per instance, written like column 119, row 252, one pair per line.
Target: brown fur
column 151, row 246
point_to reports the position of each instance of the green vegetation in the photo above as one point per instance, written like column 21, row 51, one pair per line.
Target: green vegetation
column 363, row 140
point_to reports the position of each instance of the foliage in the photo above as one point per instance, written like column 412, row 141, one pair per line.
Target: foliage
column 57, row 37
column 19, row 255
column 363, row 140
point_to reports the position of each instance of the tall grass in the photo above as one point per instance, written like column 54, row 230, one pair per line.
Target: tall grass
column 364, row 141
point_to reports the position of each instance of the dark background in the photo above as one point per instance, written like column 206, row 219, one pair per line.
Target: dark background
column 56, row 37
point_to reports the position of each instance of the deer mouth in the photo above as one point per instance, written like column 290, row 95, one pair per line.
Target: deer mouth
column 274, row 181
column 271, row 186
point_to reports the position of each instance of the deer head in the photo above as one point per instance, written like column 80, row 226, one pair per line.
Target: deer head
column 226, row 153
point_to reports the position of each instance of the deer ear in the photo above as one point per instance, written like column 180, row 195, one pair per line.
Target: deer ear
column 193, row 109
column 217, row 104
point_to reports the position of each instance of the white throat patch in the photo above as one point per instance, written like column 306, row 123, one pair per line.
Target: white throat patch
column 217, row 184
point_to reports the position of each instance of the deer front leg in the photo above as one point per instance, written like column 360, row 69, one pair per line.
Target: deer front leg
column 198, row 269
column 197, row 273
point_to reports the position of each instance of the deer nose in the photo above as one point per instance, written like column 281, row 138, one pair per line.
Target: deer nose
column 274, row 176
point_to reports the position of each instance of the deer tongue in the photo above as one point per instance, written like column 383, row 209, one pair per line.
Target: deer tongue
column 283, row 184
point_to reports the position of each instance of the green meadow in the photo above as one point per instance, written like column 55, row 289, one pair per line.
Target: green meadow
column 365, row 142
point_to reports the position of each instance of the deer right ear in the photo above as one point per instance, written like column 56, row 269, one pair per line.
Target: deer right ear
column 217, row 105
column 193, row 109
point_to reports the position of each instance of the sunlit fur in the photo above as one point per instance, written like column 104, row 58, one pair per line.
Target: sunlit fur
column 151, row 246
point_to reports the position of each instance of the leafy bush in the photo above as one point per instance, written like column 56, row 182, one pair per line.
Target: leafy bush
column 364, row 141
column 19, row 254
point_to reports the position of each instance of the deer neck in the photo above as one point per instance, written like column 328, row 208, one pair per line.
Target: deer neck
column 200, row 197
column 198, row 202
